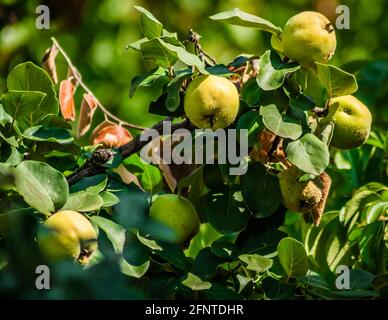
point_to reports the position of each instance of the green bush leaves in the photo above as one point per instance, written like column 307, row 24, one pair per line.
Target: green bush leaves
column 241, row 18
column 42, row 187
column 293, row 257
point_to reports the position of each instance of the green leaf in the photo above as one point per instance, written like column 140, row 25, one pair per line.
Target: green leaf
column 42, row 187
column 94, row 184
column 260, row 190
column 220, row 70
column 24, row 106
column 256, row 263
column 10, row 154
column 376, row 210
column 309, row 154
column 150, row 26
column 174, row 255
column 370, row 244
column 299, row 101
column 173, row 90
column 7, row 177
column 4, row 116
column 241, row 18
column 186, row 57
column 48, row 134
column 293, row 257
column 114, row 232
column 152, row 244
column 29, row 77
column 241, row 60
column 109, row 199
column 150, row 177
column 204, row 238
column 12, row 140
column 135, row 214
column 172, row 39
column 352, row 207
column 250, row 93
column 205, row 264
column 277, row 290
column 146, row 79
column 251, row 121
column 260, row 242
column 272, row 71
column 83, row 201
column 55, row 121
column 195, row 283
column 336, row 81
column 117, row 235
column 226, row 211
column 133, row 271
column 225, row 250
column 155, row 51
column 159, row 107
column 328, row 244
column 274, row 122
column 137, row 44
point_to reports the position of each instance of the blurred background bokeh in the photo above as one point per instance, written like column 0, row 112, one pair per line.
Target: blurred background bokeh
column 95, row 34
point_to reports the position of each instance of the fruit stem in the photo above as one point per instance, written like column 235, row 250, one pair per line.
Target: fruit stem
column 76, row 75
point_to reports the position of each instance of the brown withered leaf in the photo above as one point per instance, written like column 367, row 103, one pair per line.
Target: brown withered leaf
column 172, row 172
column 127, row 176
column 317, row 212
column 261, row 151
column 88, row 106
column 110, row 135
column 278, row 155
column 156, row 154
column 48, row 63
column 66, row 99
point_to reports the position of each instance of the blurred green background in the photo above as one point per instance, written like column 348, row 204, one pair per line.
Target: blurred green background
column 95, row 34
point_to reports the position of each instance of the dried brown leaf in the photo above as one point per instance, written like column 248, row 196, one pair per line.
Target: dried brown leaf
column 48, row 63
column 318, row 211
column 88, row 106
column 66, row 100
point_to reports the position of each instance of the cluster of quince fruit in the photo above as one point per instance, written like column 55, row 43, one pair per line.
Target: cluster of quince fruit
column 70, row 235
column 212, row 102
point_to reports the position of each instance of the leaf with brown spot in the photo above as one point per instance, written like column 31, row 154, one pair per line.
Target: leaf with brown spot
column 88, row 106
column 66, row 100
column 48, row 63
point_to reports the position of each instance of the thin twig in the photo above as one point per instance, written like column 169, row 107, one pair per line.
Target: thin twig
column 95, row 164
column 77, row 77
column 194, row 38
